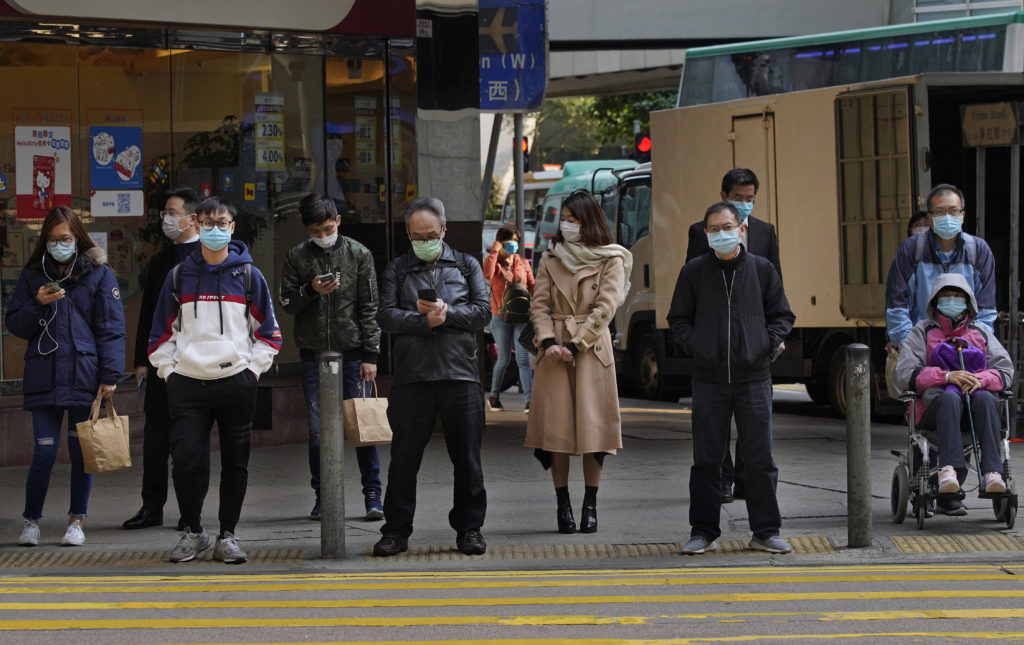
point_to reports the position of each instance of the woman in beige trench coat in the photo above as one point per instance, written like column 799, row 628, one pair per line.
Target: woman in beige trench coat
column 574, row 410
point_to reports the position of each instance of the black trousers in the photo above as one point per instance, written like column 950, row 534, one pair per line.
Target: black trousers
column 713, row 406
column 412, row 410
column 156, row 445
column 194, row 406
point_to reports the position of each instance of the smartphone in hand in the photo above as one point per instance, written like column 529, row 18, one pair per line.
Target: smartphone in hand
column 52, row 287
column 327, row 277
column 430, row 295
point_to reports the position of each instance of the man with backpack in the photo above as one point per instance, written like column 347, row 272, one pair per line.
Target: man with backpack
column 511, row 286
column 214, row 333
column 922, row 258
column 329, row 284
column 433, row 300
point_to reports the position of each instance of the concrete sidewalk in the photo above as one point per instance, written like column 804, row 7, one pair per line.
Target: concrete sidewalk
column 642, row 507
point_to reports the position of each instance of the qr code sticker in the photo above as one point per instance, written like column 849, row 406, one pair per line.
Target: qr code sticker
column 124, row 204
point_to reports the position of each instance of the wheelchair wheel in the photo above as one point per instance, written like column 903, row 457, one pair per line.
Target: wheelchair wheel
column 900, row 493
column 1011, row 513
column 919, row 512
column 999, row 506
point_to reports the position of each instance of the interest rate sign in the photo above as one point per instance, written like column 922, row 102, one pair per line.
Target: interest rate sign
column 513, row 55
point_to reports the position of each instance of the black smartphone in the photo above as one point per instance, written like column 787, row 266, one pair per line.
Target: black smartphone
column 52, row 287
column 430, row 295
column 327, row 277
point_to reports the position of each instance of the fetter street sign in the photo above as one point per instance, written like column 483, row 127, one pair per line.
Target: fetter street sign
column 989, row 124
column 513, row 54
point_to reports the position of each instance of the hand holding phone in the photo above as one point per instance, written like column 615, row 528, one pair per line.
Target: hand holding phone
column 327, row 277
column 430, row 295
column 52, row 287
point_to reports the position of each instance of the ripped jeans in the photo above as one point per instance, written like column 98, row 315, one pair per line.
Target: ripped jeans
column 46, row 424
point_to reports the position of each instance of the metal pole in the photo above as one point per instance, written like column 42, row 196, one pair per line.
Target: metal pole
column 979, row 182
column 517, row 149
column 332, row 458
column 858, row 445
column 492, row 151
column 1015, row 267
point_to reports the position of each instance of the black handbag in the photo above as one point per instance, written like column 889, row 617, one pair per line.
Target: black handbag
column 526, row 337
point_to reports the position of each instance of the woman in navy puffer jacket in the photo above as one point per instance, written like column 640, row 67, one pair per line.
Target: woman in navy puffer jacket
column 67, row 305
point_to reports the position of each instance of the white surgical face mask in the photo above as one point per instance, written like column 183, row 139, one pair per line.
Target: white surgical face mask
column 917, row 230
column 327, row 241
column 570, row 231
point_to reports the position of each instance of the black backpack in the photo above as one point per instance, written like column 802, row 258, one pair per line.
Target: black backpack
column 515, row 302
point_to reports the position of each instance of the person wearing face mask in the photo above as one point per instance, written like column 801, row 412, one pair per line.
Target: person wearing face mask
column 581, row 280
column 944, row 248
column 179, row 224
column 930, row 364
column 919, row 223
column 739, row 188
column 329, row 284
column 433, row 299
column 730, row 312
column 67, row 306
column 214, row 333
column 503, row 266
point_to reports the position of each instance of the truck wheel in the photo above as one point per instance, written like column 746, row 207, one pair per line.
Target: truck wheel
column 837, row 381
column 818, row 390
column 650, row 382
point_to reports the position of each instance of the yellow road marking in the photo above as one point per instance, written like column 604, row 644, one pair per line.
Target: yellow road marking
column 511, row 601
column 496, row 584
column 533, row 573
column 437, row 621
column 696, row 640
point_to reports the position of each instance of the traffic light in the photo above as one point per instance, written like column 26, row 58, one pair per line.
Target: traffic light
column 526, row 154
column 641, row 147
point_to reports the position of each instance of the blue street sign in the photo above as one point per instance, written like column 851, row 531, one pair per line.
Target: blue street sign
column 513, row 54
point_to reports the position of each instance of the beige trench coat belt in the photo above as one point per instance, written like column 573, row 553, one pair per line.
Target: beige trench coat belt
column 568, row 323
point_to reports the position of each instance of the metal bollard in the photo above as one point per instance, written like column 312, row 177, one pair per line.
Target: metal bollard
column 858, row 445
column 332, row 458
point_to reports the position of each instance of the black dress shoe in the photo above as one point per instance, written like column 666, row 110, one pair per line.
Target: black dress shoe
column 727, row 497
column 390, row 544
column 471, row 542
column 143, row 519
column 588, row 517
column 566, row 522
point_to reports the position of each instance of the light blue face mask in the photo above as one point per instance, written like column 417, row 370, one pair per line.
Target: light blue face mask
column 724, row 242
column 214, row 240
column 947, row 226
column 510, row 247
column 951, row 306
column 427, row 250
column 62, row 251
column 744, row 209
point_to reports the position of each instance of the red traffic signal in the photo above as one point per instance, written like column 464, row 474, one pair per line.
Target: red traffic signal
column 642, row 148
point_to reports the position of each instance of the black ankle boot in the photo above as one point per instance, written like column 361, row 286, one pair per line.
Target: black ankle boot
column 566, row 522
column 588, row 519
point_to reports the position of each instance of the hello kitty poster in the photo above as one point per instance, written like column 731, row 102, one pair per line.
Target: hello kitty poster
column 42, row 156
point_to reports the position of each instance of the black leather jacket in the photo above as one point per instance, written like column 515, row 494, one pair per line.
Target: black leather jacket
column 446, row 352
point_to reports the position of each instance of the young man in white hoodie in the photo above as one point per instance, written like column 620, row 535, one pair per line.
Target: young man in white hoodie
column 214, row 333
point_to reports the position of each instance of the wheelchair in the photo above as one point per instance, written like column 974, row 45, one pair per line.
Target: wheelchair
column 915, row 478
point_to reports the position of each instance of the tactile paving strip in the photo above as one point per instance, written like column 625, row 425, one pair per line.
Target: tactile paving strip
column 35, row 559
column 433, row 553
column 957, row 543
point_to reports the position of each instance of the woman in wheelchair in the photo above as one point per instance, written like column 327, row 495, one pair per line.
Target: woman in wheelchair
column 949, row 357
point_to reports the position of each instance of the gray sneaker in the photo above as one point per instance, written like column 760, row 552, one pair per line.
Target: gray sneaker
column 773, row 544
column 190, row 545
column 698, row 544
column 228, row 551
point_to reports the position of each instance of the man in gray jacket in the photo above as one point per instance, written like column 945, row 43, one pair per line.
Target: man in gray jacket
column 433, row 300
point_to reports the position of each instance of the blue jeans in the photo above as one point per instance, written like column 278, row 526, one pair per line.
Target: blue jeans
column 366, row 456
column 46, row 428
column 505, row 335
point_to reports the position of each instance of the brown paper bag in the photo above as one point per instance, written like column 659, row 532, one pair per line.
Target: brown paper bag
column 104, row 440
column 366, row 419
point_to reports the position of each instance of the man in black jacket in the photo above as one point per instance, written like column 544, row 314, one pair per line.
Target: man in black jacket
column 433, row 300
column 739, row 188
column 179, row 224
column 730, row 313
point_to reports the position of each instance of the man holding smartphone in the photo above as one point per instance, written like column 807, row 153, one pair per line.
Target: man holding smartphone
column 433, row 301
column 179, row 224
column 329, row 284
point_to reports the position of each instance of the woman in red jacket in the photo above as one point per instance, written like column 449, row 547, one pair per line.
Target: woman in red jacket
column 503, row 266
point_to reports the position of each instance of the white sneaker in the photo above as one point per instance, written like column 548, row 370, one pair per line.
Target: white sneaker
column 947, row 480
column 29, row 534
column 994, row 483
column 74, row 535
